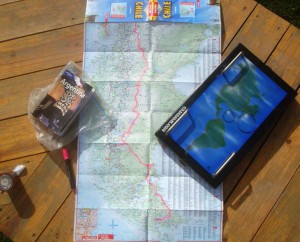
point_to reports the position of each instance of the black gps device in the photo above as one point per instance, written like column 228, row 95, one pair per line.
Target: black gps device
column 216, row 126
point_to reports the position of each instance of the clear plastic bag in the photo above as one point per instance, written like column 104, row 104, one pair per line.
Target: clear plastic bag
column 68, row 106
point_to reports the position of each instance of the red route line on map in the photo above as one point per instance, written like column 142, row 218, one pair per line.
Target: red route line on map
column 105, row 23
column 137, row 114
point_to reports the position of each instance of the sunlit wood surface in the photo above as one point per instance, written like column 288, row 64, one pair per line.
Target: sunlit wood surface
column 38, row 37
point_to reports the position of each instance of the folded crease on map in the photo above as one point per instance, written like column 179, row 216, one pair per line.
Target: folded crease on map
column 130, row 186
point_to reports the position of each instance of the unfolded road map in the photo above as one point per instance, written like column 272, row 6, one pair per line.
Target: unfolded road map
column 130, row 186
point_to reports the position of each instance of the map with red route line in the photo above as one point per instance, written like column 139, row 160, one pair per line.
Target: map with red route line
column 130, row 186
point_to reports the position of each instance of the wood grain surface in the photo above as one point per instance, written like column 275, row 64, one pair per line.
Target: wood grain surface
column 233, row 18
column 28, row 215
column 31, row 163
column 36, row 16
column 39, row 37
column 265, row 179
column 282, row 224
column 41, row 51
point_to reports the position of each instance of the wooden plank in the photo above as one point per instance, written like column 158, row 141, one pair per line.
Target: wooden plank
column 283, row 220
column 31, row 163
column 35, row 16
column 234, row 16
column 2, row 2
column 264, row 21
column 282, row 224
column 266, row 178
column 233, row 178
column 285, row 60
column 261, row 33
column 41, row 51
column 61, row 226
column 14, row 92
column 18, row 139
column 38, row 202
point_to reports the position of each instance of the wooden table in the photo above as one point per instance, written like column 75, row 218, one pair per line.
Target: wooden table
column 38, row 37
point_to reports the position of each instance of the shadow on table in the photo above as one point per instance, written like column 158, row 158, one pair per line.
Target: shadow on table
column 56, row 156
column 223, row 32
column 20, row 199
column 237, row 186
column 96, row 121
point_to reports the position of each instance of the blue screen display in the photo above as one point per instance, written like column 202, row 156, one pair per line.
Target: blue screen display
column 227, row 113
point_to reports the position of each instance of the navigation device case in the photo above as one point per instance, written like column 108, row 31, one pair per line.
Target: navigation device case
column 218, row 124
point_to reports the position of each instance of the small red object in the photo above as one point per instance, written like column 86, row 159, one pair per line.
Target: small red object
column 65, row 154
column 105, row 236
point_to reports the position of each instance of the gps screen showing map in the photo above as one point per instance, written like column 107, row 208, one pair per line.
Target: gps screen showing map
column 221, row 120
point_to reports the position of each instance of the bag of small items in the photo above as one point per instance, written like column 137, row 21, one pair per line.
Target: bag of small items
column 54, row 110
